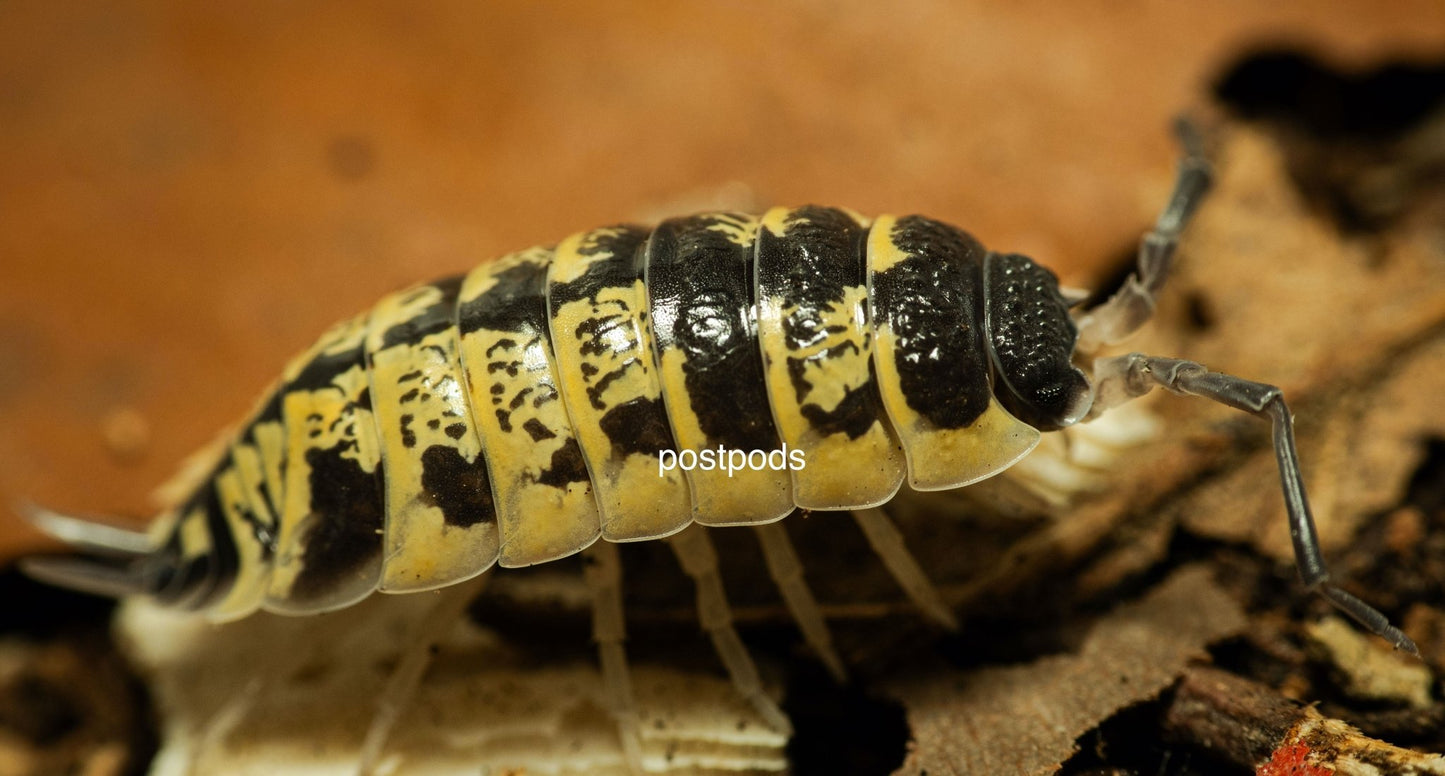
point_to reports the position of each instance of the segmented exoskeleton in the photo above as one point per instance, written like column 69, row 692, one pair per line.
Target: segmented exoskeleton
column 517, row 414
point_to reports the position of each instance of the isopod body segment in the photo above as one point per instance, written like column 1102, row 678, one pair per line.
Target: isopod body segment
column 517, row 414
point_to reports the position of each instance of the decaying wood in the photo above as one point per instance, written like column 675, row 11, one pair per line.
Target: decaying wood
column 67, row 705
column 1254, row 726
column 1026, row 719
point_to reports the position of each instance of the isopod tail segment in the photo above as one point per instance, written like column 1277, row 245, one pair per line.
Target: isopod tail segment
column 1119, row 379
column 113, row 554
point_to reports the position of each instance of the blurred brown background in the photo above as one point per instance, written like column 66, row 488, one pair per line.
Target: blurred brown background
column 189, row 194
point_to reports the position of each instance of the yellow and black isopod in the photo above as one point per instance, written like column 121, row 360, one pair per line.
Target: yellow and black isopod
column 519, row 413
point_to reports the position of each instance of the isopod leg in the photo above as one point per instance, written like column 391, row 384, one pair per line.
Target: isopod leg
column 604, row 578
column 887, row 542
column 232, row 713
column 272, row 672
column 698, row 558
column 1133, row 304
column 787, row 571
column 446, row 610
column 1119, row 379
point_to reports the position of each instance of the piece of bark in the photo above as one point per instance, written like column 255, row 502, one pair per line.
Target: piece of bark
column 1242, row 721
column 1251, row 725
column 67, row 706
column 1026, row 719
column 1366, row 667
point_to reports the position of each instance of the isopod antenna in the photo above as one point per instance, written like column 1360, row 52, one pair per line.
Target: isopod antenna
column 1119, row 379
column 1133, row 304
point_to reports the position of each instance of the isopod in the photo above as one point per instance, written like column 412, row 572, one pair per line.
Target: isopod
column 517, row 414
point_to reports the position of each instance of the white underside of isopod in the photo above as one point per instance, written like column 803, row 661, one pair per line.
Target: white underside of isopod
column 295, row 696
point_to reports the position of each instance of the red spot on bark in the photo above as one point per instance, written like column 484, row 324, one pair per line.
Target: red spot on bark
column 1290, row 760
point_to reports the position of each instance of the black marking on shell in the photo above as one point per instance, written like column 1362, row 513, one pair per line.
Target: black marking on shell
column 270, row 411
column 321, row 372
column 515, row 302
column 638, row 426
column 177, row 581
column 623, row 245
column 192, row 583
column 810, row 267
column 226, row 556
column 537, row 430
column 459, row 488
column 435, row 318
column 265, row 533
column 933, row 301
column 567, row 466
column 342, row 543
column 853, row 416
column 701, row 289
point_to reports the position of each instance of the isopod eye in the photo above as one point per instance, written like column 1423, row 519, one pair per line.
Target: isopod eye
column 1031, row 340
